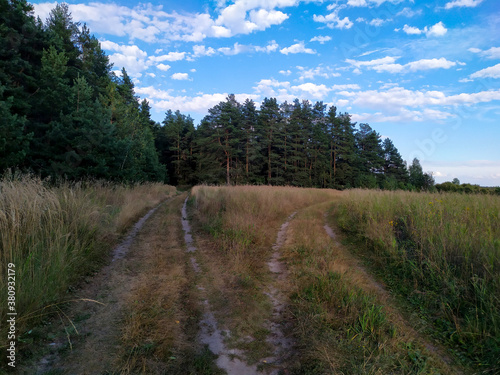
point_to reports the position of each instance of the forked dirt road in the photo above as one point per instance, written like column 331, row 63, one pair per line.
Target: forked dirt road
column 153, row 313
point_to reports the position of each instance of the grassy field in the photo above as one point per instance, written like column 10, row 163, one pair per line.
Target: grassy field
column 410, row 287
column 441, row 252
column 55, row 235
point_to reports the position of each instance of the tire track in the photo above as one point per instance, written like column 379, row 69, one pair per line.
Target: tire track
column 282, row 345
column 210, row 334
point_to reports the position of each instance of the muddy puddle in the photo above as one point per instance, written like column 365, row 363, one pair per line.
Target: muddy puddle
column 209, row 333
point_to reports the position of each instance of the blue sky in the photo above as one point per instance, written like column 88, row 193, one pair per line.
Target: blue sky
column 424, row 73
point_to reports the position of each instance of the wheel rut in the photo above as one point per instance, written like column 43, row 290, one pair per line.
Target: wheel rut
column 210, row 333
column 281, row 344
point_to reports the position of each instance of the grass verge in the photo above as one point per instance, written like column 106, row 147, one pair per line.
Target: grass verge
column 441, row 253
column 55, row 235
column 344, row 322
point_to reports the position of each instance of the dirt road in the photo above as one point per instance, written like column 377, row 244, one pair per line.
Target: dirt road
column 161, row 307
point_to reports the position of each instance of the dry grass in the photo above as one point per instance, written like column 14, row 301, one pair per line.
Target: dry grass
column 158, row 316
column 54, row 235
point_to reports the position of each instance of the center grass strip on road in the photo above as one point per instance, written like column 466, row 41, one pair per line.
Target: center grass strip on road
column 236, row 228
column 210, row 335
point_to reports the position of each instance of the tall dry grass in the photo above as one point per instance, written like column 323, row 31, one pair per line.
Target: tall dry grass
column 441, row 251
column 54, row 235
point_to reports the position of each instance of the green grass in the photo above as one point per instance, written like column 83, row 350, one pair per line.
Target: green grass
column 441, row 252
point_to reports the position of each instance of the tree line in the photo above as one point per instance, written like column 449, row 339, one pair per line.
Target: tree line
column 65, row 114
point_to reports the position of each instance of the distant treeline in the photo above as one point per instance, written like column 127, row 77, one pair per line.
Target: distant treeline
column 65, row 114
column 456, row 187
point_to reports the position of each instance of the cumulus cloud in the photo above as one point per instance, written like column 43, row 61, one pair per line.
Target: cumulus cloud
column 151, row 23
column 272, row 46
column 349, row 86
column 492, row 53
column 408, row 12
column 200, row 50
column 332, row 20
column 319, row 71
column 130, row 57
column 297, row 48
column 398, row 97
column 315, row 91
column 387, row 64
column 235, row 50
column 410, row 30
column 321, row 39
column 491, row 72
column 180, row 76
column 163, row 67
column 463, row 3
column 171, row 56
column 436, row 30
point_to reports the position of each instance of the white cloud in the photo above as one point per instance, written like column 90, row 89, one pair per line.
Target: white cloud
column 150, row 23
column 408, row 12
column 398, row 97
column 357, row 3
column 171, row 56
column 285, row 72
column 426, row 64
column 377, row 22
column 316, row 91
column 345, row 87
column 128, row 50
column 297, row 48
column 333, row 20
column 272, row 46
column 152, row 75
column 163, row 67
column 264, row 18
column 491, row 72
column 387, row 64
column 198, row 104
column 200, row 50
column 370, row 3
column 436, row 30
column 463, row 3
column 321, row 39
column 410, row 30
column 130, row 57
column 180, row 76
column 319, row 71
column 492, row 53
column 235, row 50
column 152, row 93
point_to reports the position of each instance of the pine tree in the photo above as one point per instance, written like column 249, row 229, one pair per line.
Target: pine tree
column 14, row 142
column 395, row 170
column 269, row 126
column 221, row 137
